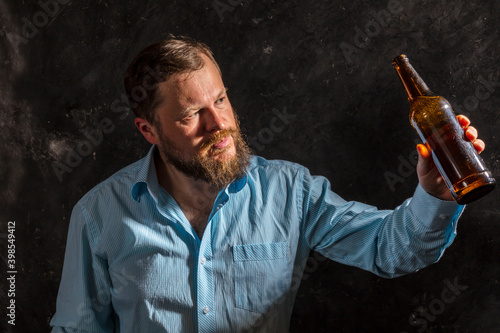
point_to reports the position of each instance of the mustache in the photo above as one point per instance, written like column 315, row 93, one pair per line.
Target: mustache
column 217, row 137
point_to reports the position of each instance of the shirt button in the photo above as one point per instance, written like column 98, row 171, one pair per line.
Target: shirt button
column 206, row 310
column 203, row 261
column 443, row 216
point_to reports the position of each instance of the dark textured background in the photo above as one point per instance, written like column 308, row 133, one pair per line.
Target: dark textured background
column 351, row 125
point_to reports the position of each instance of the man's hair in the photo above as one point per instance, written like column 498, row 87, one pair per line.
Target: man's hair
column 156, row 64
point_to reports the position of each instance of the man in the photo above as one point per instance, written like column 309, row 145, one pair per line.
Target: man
column 199, row 236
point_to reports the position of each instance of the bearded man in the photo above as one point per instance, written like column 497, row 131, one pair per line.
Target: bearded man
column 201, row 236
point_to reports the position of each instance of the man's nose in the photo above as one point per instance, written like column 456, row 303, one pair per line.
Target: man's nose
column 214, row 120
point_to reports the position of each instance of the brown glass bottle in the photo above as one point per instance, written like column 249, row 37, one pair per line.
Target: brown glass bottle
column 457, row 160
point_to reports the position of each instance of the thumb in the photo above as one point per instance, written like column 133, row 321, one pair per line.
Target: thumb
column 425, row 163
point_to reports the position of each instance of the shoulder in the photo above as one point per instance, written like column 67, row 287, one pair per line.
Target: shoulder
column 104, row 204
column 261, row 168
column 260, row 163
column 116, row 186
column 269, row 173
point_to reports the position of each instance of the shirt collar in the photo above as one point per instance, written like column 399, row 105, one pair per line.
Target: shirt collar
column 146, row 178
column 237, row 184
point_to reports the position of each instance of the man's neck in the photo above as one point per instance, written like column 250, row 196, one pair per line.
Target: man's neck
column 194, row 197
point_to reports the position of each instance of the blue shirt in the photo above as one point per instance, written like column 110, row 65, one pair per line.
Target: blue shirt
column 133, row 262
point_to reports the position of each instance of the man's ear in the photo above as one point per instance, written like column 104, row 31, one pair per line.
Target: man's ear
column 147, row 130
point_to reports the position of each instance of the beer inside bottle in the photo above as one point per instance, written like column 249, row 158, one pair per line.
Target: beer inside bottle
column 457, row 160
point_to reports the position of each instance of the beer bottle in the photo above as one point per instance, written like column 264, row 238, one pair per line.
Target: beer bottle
column 457, row 160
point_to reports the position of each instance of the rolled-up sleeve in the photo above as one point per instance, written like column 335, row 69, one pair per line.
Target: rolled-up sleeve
column 389, row 243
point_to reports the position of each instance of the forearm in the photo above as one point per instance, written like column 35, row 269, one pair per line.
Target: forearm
column 416, row 234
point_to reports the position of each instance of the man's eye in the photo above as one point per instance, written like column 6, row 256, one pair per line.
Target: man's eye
column 192, row 115
column 220, row 100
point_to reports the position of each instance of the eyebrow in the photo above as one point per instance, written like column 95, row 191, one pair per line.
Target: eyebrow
column 188, row 109
column 222, row 93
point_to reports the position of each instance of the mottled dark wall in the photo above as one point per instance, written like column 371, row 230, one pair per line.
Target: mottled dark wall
column 325, row 63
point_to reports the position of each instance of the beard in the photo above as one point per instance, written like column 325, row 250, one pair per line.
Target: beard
column 203, row 166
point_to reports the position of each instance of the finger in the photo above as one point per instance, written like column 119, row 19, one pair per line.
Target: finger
column 471, row 133
column 423, row 151
column 463, row 120
column 479, row 145
column 425, row 163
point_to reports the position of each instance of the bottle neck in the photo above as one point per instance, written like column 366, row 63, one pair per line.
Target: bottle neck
column 412, row 82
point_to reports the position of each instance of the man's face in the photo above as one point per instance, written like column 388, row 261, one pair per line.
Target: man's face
column 197, row 129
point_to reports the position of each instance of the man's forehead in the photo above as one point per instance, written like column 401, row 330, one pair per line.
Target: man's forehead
column 190, row 88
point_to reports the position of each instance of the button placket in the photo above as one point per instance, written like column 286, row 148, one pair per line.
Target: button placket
column 206, row 287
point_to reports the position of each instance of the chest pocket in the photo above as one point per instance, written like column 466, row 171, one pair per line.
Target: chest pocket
column 262, row 275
